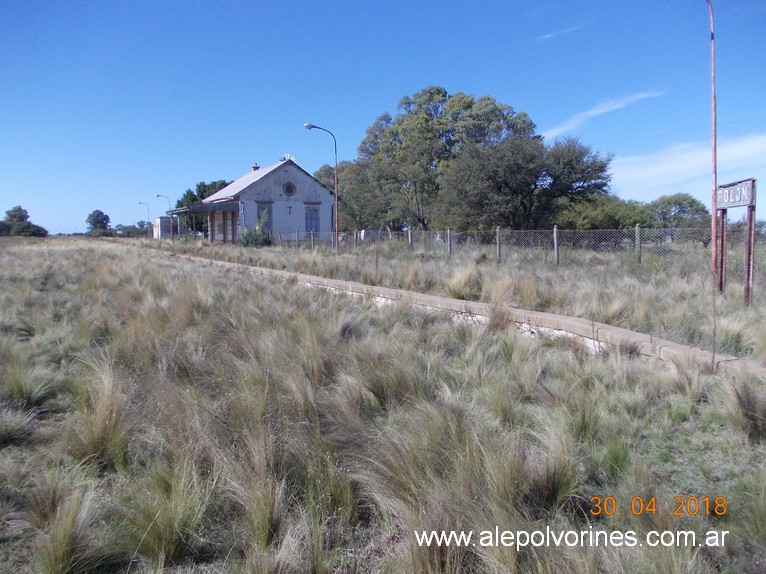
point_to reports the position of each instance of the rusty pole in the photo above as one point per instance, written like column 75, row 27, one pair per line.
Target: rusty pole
column 714, row 218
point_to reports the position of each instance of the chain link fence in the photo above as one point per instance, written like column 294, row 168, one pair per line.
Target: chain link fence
column 683, row 248
column 681, row 251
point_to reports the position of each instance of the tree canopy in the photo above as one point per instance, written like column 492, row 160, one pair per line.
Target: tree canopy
column 17, row 223
column 201, row 191
column 462, row 162
column 97, row 220
column 610, row 212
column 679, row 210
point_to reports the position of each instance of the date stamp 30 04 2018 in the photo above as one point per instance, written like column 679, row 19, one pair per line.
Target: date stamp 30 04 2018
column 682, row 506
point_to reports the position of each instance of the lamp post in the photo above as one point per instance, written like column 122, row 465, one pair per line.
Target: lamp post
column 148, row 217
column 171, row 216
column 335, row 142
column 714, row 214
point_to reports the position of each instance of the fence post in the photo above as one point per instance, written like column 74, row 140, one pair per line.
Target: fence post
column 638, row 243
column 296, row 239
column 497, row 243
column 556, row 242
column 449, row 243
column 409, row 237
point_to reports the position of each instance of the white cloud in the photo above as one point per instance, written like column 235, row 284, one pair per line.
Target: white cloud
column 551, row 35
column 688, row 168
column 603, row 108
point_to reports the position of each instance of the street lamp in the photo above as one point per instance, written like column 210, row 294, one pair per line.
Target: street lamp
column 311, row 127
column 170, row 214
column 148, row 217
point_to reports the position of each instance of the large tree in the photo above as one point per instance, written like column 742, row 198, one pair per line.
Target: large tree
column 679, row 210
column 603, row 212
column 407, row 155
column 494, row 186
column 16, row 215
column 454, row 160
column 519, row 182
column 17, row 223
column 97, row 220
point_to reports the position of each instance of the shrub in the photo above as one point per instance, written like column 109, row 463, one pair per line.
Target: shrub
column 258, row 237
column 255, row 238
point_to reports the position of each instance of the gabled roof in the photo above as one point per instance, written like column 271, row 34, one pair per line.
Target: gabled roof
column 231, row 192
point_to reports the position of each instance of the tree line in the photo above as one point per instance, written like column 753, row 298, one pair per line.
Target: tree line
column 470, row 164
column 16, row 223
column 466, row 163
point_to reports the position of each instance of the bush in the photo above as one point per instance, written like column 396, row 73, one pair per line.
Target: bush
column 258, row 237
column 100, row 233
column 27, row 229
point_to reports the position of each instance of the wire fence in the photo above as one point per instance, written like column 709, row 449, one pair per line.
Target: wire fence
column 681, row 250
column 561, row 246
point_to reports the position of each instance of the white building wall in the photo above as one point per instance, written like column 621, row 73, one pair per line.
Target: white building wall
column 161, row 228
column 288, row 211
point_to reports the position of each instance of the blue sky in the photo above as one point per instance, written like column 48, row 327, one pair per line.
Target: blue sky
column 105, row 104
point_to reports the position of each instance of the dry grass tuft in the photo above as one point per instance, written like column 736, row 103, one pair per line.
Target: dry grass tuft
column 101, row 431
column 750, row 407
column 204, row 419
column 164, row 512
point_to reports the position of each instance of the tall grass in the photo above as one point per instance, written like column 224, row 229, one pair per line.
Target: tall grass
column 214, row 421
column 101, row 431
column 62, row 504
column 16, row 427
column 164, row 513
column 667, row 300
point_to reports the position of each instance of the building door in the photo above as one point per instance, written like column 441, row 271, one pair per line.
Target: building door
column 312, row 219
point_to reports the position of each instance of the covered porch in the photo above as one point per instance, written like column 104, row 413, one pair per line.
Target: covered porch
column 222, row 219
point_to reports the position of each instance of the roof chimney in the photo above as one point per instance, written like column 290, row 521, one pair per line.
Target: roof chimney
column 255, row 166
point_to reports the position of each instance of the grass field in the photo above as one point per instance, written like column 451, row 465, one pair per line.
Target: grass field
column 671, row 297
column 157, row 415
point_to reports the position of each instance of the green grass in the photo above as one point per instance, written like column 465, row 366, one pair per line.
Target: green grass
column 201, row 419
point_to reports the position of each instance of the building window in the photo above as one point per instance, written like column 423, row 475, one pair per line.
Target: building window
column 264, row 216
column 289, row 188
column 312, row 219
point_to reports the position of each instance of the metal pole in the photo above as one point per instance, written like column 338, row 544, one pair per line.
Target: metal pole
column 556, row 243
column 638, row 243
column 148, row 217
column 335, row 142
column 714, row 218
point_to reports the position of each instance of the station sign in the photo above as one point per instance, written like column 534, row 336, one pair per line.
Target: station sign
column 739, row 194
